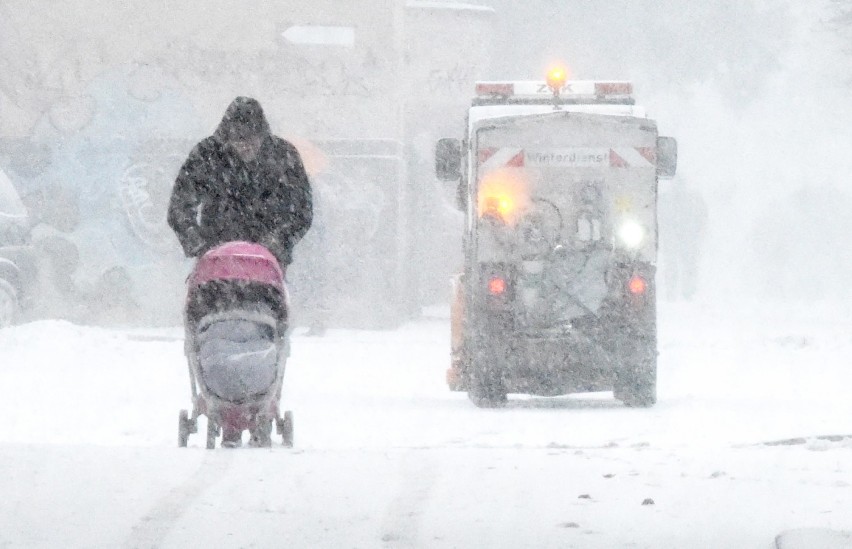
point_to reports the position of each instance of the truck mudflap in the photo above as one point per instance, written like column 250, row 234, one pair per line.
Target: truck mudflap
column 456, row 379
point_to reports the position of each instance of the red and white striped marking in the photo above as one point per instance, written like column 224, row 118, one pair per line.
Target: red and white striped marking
column 505, row 157
column 633, row 157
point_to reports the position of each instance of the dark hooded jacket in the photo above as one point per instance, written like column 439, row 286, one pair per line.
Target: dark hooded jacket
column 218, row 197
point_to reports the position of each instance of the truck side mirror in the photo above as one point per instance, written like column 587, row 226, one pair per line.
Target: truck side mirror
column 448, row 159
column 666, row 157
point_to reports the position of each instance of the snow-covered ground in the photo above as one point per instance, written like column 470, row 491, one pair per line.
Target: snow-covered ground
column 386, row 456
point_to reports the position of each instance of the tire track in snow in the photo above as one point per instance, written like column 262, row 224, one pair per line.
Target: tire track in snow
column 401, row 523
column 151, row 530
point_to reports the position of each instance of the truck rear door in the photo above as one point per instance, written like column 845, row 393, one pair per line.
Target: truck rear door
column 581, row 185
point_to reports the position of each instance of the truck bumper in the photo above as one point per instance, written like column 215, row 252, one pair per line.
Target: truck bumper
column 558, row 364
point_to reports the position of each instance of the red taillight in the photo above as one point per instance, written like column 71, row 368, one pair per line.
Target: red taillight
column 497, row 285
column 495, row 88
column 637, row 285
column 613, row 88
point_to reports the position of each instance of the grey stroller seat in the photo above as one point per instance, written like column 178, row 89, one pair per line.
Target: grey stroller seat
column 238, row 353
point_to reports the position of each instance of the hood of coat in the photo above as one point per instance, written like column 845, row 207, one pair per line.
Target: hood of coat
column 243, row 119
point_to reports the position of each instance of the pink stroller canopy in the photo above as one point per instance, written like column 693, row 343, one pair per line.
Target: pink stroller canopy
column 238, row 261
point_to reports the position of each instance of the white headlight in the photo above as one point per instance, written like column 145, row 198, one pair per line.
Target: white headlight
column 631, row 234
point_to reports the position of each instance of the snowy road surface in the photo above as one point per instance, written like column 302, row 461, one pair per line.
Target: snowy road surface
column 386, row 456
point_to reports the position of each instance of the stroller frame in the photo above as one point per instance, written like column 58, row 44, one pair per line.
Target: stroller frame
column 239, row 262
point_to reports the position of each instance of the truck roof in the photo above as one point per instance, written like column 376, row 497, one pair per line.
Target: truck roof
column 495, row 99
column 533, row 92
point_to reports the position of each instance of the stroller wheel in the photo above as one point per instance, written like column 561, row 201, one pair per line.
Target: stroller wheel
column 261, row 434
column 212, row 433
column 284, row 426
column 184, row 428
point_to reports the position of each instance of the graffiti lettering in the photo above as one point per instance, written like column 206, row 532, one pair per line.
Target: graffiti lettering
column 140, row 192
column 454, row 80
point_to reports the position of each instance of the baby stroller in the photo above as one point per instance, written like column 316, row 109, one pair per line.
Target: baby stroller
column 236, row 346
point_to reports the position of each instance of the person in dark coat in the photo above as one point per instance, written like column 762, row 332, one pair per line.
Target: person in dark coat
column 242, row 183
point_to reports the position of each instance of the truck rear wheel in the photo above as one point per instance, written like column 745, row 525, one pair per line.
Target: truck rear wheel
column 636, row 380
column 487, row 389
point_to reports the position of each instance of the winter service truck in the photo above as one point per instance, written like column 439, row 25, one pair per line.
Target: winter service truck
column 558, row 182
